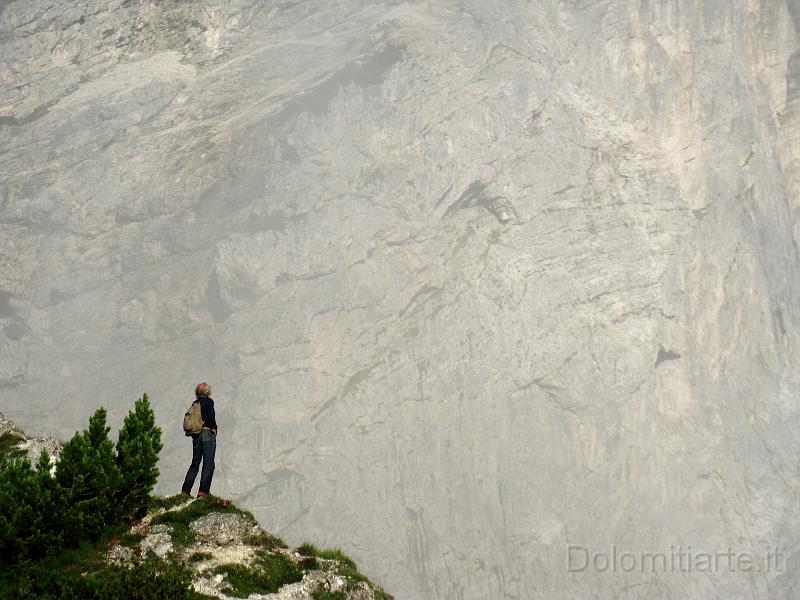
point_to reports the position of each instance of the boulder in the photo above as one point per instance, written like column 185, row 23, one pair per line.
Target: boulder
column 223, row 528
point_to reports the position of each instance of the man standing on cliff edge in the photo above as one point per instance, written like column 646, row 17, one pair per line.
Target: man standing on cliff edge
column 204, row 445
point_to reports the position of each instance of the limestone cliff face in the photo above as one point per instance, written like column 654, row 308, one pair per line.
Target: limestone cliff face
column 473, row 281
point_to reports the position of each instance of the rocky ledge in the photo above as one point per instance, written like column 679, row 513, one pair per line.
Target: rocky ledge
column 224, row 547
column 13, row 439
column 233, row 557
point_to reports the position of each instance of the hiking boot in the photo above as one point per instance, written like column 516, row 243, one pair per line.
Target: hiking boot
column 185, row 494
column 202, row 494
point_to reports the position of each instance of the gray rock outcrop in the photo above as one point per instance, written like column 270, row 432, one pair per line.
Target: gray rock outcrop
column 229, row 539
column 478, row 284
column 158, row 541
column 221, row 529
column 31, row 447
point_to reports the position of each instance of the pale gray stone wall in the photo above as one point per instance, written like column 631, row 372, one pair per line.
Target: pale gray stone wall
column 473, row 281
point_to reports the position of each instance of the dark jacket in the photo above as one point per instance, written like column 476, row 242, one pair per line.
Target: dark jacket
column 207, row 412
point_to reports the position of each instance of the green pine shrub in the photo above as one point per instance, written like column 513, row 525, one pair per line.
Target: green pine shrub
column 93, row 486
column 149, row 579
column 9, row 445
column 32, row 510
column 137, row 455
column 88, row 474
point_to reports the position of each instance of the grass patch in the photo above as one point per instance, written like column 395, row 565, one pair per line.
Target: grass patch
column 308, row 555
column 265, row 540
column 345, row 566
column 325, row 594
column 166, row 502
column 129, row 540
column 9, row 445
column 338, row 555
column 309, row 549
column 269, row 573
column 351, row 573
column 200, row 557
column 379, row 593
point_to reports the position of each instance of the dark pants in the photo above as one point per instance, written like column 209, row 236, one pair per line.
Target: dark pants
column 204, row 446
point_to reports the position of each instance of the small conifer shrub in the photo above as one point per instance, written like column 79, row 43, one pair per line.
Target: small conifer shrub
column 138, row 446
column 93, row 488
column 32, row 510
column 88, row 474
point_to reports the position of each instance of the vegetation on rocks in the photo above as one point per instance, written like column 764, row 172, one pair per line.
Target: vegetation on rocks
column 344, row 566
column 325, row 594
column 138, row 446
column 10, row 445
column 44, row 514
column 266, row 574
column 233, row 557
column 180, row 519
column 86, row 576
column 87, row 528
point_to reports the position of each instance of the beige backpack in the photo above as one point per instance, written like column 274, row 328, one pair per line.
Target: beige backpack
column 193, row 419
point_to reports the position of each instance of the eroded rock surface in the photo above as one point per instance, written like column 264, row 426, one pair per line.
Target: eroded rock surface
column 474, row 281
column 158, row 541
column 220, row 528
column 227, row 537
column 32, row 447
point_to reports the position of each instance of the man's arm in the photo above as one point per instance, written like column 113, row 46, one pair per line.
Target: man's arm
column 211, row 422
